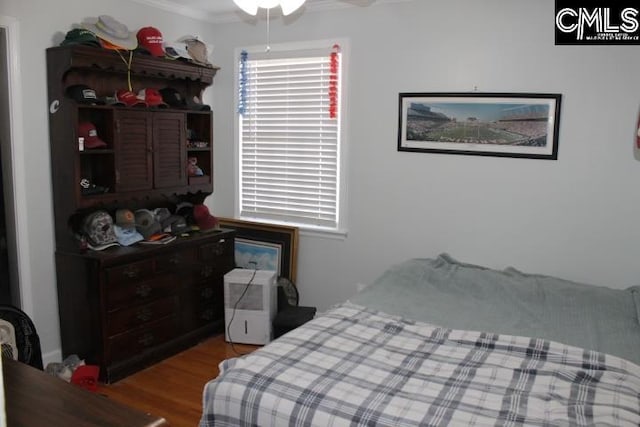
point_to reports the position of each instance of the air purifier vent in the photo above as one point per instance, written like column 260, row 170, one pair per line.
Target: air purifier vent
column 241, row 299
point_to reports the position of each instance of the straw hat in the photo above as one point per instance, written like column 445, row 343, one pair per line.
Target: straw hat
column 113, row 31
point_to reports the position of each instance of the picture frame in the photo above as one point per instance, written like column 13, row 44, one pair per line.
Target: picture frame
column 521, row 125
column 270, row 246
column 258, row 255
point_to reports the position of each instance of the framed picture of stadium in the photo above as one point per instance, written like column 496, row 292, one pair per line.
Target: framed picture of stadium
column 482, row 124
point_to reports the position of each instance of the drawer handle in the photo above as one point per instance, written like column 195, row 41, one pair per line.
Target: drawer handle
column 143, row 290
column 146, row 340
column 207, row 314
column 206, row 271
column 220, row 248
column 144, row 314
column 216, row 248
column 131, row 272
column 174, row 260
column 206, row 293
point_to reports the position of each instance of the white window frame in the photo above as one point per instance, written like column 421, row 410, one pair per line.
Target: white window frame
column 278, row 50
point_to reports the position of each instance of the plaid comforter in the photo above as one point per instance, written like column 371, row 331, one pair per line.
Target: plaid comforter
column 353, row 366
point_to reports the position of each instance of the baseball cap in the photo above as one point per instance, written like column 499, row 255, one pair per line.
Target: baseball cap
column 185, row 210
column 113, row 101
column 150, row 39
column 110, row 29
column 80, row 36
column 125, row 219
column 203, row 218
column 86, row 376
column 176, row 224
column 110, row 46
column 172, row 97
column 129, row 98
column 87, row 130
column 197, row 50
column 98, row 228
column 194, row 103
column 152, row 97
column 83, row 94
column 127, row 236
column 161, row 215
column 176, row 50
column 146, row 223
column 175, row 99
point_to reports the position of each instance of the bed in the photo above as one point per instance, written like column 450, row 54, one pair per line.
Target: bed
column 441, row 342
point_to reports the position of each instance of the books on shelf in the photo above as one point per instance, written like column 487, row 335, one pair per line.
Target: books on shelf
column 159, row 239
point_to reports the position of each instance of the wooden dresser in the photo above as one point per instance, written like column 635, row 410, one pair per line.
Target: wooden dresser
column 125, row 308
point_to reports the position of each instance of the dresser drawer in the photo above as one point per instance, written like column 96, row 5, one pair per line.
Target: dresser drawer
column 209, row 311
column 216, row 250
column 178, row 262
column 129, row 273
column 203, row 313
column 209, row 291
column 136, row 341
column 207, row 303
column 123, row 295
column 134, row 317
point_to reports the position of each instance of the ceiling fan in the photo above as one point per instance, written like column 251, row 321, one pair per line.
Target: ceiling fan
column 287, row 6
column 251, row 6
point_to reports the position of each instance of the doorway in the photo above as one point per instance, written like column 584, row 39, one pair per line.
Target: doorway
column 13, row 208
column 5, row 278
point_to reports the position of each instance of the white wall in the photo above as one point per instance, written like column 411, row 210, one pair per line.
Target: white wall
column 575, row 217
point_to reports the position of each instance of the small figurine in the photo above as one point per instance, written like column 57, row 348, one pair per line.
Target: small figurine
column 192, row 167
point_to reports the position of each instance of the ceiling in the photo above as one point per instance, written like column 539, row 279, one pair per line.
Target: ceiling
column 219, row 11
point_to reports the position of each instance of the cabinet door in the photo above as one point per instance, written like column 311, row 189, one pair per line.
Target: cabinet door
column 169, row 150
column 134, row 150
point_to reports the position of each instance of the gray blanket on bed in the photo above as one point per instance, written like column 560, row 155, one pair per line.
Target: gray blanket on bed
column 456, row 295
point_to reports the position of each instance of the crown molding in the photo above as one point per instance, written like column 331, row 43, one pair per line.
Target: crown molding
column 174, row 6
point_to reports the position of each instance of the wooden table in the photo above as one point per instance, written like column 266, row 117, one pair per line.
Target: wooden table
column 35, row 398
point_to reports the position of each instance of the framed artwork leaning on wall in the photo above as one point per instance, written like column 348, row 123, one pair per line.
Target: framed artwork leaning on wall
column 265, row 246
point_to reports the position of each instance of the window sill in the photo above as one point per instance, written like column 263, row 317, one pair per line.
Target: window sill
column 323, row 234
column 306, row 230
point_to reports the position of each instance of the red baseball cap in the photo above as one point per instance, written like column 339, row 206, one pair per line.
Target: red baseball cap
column 152, row 97
column 203, row 218
column 129, row 98
column 88, row 131
column 150, row 39
column 86, row 376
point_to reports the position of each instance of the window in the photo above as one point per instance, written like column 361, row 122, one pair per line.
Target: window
column 289, row 145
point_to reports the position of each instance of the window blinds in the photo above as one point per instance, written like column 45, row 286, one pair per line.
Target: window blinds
column 289, row 146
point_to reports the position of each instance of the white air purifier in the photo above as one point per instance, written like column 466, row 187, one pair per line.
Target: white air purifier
column 250, row 304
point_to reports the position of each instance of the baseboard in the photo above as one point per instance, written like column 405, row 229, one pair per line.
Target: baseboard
column 52, row 356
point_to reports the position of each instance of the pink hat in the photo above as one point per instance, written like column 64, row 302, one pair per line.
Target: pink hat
column 203, row 217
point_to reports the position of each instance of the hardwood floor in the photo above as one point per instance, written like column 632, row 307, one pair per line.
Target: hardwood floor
column 173, row 388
